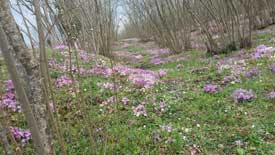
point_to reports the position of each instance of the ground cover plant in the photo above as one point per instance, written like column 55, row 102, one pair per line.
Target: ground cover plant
column 137, row 96
column 173, row 107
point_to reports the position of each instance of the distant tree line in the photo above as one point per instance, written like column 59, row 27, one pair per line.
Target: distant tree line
column 226, row 24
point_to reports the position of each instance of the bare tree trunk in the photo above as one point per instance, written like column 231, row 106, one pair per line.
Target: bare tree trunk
column 29, row 92
column 7, row 53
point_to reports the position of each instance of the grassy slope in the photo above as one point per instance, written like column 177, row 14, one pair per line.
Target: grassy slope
column 200, row 121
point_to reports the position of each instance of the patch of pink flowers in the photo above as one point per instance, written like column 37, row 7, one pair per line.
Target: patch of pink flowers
column 242, row 95
column 162, row 72
column 138, row 77
column 19, row 134
column 8, row 100
column 107, row 72
column 129, row 56
column 261, row 51
column 125, row 100
column 143, row 79
column 65, row 67
column 228, row 79
column 86, row 57
column 63, row 81
column 61, row 47
column 253, row 72
column 140, row 110
column 109, row 85
column 210, row 88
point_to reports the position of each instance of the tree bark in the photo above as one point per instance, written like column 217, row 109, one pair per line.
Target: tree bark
column 28, row 71
column 4, row 139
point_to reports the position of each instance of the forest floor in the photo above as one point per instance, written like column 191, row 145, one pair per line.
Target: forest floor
column 150, row 101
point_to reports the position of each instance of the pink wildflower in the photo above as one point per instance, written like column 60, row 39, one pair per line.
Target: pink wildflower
column 140, row 110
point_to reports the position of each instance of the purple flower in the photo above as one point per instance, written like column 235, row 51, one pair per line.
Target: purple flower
column 107, row 72
column 85, row 56
column 241, row 95
column 9, row 104
column 271, row 95
column 63, row 81
column 262, row 50
column 227, row 79
column 162, row 104
column 61, row 47
column 9, row 85
column 8, row 101
column 251, row 73
column 272, row 68
column 140, row 110
column 157, row 61
column 162, row 72
column 145, row 80
column 125, row 100
column 210, row 88
column 138, row 77
column 19, row 134
column 128, row 56
column 109, row 85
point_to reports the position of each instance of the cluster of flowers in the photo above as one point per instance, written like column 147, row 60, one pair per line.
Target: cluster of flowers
column 128, row 56
column 86, row 57
column 228, row 79
column 262, row 51
column 8, row 100
column 210, row 88
column 159, row 107
column 140, row 110
column 162, row 72
column 65, row 67
column 271, row 95
column 125, row 100
column 140, row 77
column 237, row 66
column 108, row 85
column 157, row 60
column 99, row 70
column 241, row 95
column 63, row 81
column 61, row 47
column 143, row 79
column 251, row 73
column 19, row 134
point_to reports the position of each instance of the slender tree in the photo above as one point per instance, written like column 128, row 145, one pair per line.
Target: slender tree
column 23, row 67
